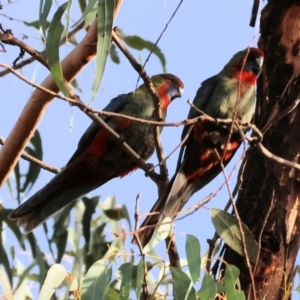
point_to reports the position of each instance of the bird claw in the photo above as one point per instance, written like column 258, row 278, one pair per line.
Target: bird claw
column 150, row 169
column 121, row 139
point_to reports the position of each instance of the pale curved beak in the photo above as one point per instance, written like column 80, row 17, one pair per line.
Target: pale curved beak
column 259, row 61
column 180, row 90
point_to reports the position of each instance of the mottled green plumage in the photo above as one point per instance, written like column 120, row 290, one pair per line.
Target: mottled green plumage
column 225, row 95
column 98, row 158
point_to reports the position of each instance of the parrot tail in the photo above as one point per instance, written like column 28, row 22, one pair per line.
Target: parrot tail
column 46, row 202
column 168, row 205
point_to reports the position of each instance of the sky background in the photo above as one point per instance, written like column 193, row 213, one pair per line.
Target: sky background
column 199, row 41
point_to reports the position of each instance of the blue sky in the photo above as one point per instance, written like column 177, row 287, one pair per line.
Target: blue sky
column 199, row 41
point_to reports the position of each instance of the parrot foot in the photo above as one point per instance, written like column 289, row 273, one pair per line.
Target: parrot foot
column 150, row 169
column 121, row 139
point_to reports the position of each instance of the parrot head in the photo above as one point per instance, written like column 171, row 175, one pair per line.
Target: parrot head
column 247, row 65
column 168, row 87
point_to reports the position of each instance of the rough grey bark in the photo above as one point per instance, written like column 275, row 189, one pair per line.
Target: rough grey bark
column 267, row 183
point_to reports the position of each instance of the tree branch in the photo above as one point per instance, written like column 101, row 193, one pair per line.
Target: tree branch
column 39, row 100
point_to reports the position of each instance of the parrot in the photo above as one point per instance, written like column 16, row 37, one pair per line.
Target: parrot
column 98, row 158
column 230, row 92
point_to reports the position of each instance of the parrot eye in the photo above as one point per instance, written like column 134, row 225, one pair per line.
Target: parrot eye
column 174, row 80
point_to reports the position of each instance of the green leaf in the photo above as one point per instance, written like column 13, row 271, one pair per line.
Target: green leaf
column 44, row 10
column 90, row 208
column 138, row 43
column 112, row 294
column 126, row 270
column 139, row 278
column 4, row 259
column 231, row 280
column 40, row 257
column 91, row 9
column 75, row 84
column 55, row 276
column 24, row 274
column 98, row 245
column 95, row 283
column 159, row 234
column 210, row 288
column 105, row 22
column 114, row 54
column 82, row 5
column 192, row 248
column 52, row 47
column 36, row 24
column 227, row 228
column 183, row 288
column 36, row 150
column 12, row 224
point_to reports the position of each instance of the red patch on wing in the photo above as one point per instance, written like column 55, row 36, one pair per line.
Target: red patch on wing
column 126, row 172
column 198, row 132
column 99, row 144
column 208, row 158
column 124, row 123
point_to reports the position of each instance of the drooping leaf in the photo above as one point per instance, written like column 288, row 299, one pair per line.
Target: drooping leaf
column 36, row 24
column 36, row 150
column 11, row 224
column 160, row 233
column 95, row 284
column 40, row 257
column 139, row 277
column 82, row 5
column 182, row 285
column 231, row 281
column 4, row 261
column 55, row 276
column 192, row 248
column 138, row 43
column 98, row 245
column 105, row 14
column 90, row 9
column 75, row 84
column 24, row 274
column 90, row 208
column 52, row 48
column 45, row 6
column 114, row 54
column 227, row 228
column 112, row 294
column 126, row 270
column 210, row 288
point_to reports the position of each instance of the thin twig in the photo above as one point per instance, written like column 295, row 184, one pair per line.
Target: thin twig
column 160, row 36
column 245, row 250
column 145, row 292
column 261, row 232
column 7, row 37
column 180, row 144
column 276, row 158
column 30, row 158
column 32, row 58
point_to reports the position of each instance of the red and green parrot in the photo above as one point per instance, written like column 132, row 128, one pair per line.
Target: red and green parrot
column 98, row 159
column 233, row 89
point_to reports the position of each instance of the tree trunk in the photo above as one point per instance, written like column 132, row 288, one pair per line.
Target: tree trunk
column 268, row 202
